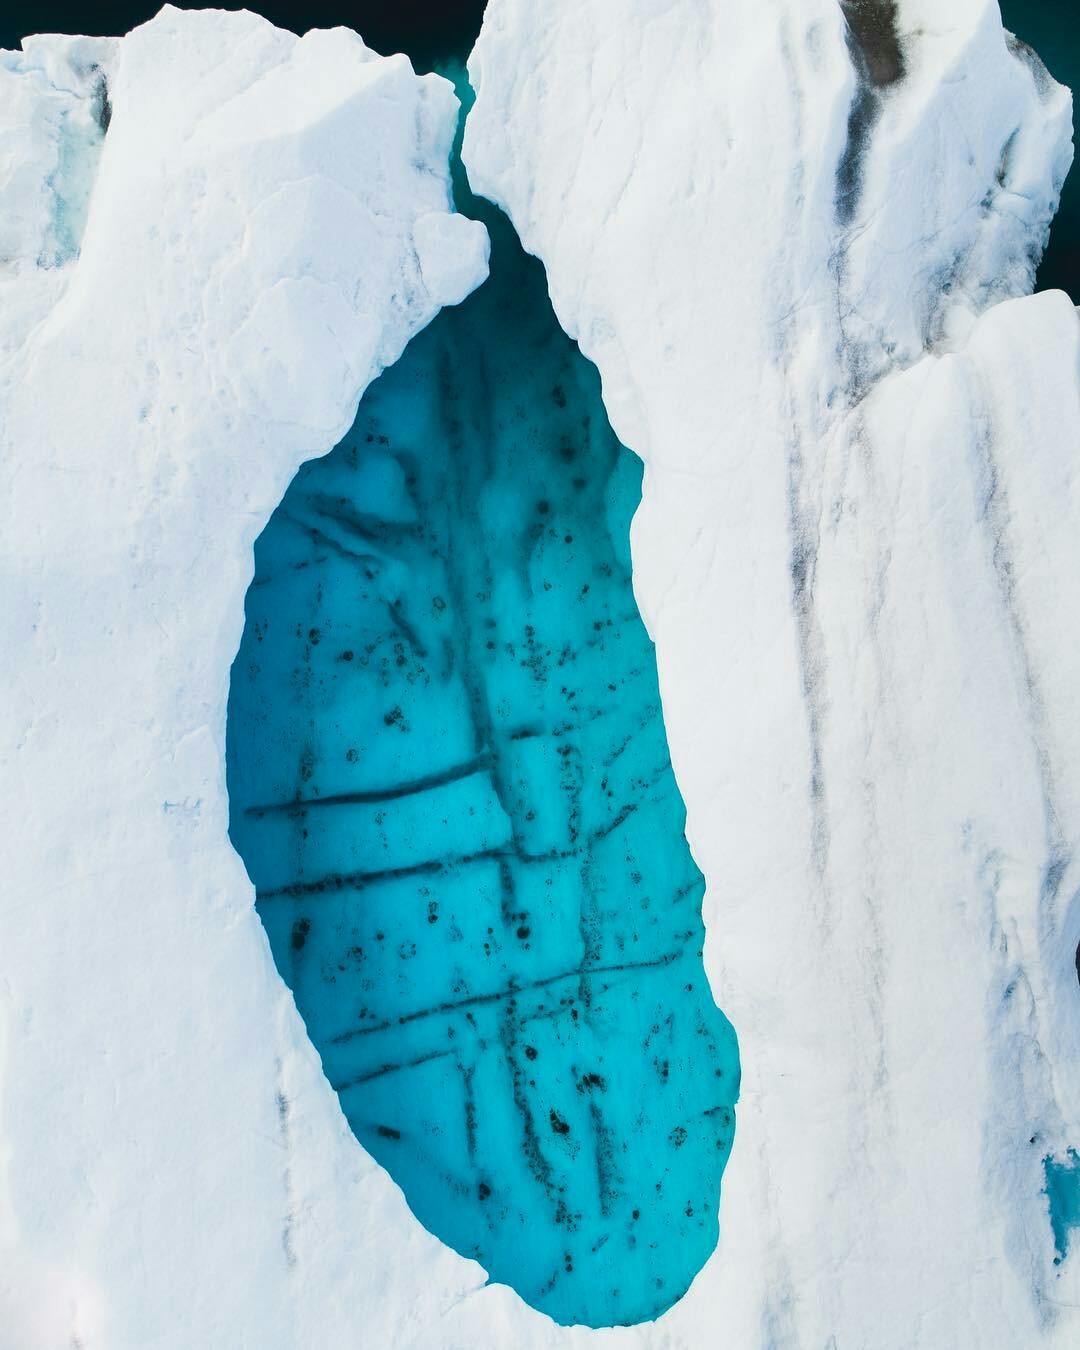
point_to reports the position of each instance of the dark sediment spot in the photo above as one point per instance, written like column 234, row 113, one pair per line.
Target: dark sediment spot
column 874, row 40
column 878, row 57
column 104, row 104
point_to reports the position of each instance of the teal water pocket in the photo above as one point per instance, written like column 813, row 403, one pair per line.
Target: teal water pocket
column 450, row 783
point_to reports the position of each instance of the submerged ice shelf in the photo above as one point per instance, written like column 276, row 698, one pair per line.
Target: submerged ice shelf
column 450, row 782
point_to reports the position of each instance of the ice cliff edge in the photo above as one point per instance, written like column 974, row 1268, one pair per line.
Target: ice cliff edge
column 214, row 236
column 795, row 238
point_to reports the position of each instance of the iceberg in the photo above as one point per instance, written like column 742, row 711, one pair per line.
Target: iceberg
column 797, row 240
column 196, row 286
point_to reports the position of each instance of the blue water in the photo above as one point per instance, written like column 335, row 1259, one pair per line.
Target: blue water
column 450, row 783
column 1063, row 1200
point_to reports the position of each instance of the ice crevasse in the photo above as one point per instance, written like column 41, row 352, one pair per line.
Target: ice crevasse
column 796, row 244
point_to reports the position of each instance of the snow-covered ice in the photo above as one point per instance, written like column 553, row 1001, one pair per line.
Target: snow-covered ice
column 266, row 226
column 858, row 554
column 801, row 270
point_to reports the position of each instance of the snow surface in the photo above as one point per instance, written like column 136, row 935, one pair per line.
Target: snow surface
column 857, row 553
column 859, row 556
column 190, row 305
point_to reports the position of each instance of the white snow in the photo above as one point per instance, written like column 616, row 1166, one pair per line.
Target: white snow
column 261, row 229
column 858, row 553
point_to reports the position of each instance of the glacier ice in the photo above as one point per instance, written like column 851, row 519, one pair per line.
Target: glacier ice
column 54, row 107
column 449, row 781
column 267, row 222
column 1049, row 27
column 855, row 551
column 857, row 555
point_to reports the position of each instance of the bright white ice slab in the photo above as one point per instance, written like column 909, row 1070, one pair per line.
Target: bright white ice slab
column 858, row 552
column 190, row 305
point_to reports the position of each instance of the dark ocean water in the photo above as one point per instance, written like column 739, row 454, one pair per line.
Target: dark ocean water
column 1052, row 27
column 429, row 31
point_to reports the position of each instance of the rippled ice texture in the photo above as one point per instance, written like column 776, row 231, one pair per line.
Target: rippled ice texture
column 450, row 782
